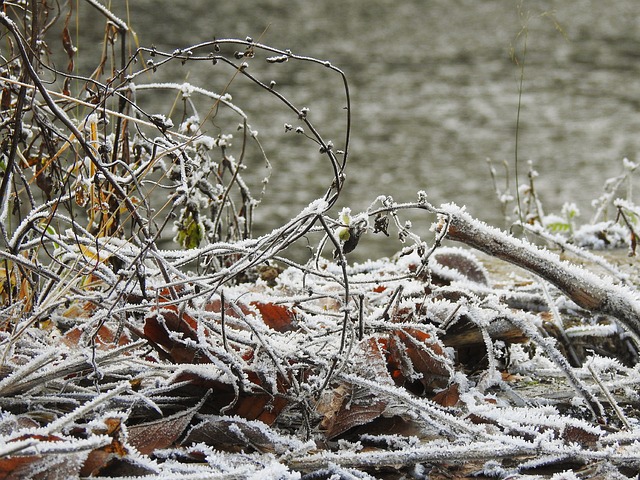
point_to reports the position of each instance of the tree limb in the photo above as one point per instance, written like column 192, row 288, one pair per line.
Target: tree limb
column 586, row 289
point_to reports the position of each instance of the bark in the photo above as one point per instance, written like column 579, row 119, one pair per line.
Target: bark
column 586, row 289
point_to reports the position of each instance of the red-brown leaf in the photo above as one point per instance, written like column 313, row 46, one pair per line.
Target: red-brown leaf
column 99, row 458
column 411, row 350
column 162, row 433
column 105, row 338
column 277, row 317
column 576, row 434
column 348, row 406
column 161, row 328
column 448, row 397
column 41, row 467
column 5, row 100
column 67, row 44
column 260, row 407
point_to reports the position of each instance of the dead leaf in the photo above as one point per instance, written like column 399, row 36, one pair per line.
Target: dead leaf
column 5, row 100
column 162, row 433
column 14, row 466
column 276, row 317
column 347, row 406
column 236, row 435
column 67, row 44
column 580, row 435
column 448, row 397
column 66, row 87
column 129, row 467
column 414, row 356
column 260, row 406
column 44, row 180
column 458, row 264
column 161, row 326
column 99, row 458
column 42, row 467
column 105, row 338
column 269, row 273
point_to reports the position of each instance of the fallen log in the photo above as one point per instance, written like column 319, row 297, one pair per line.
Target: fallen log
column 586, row 289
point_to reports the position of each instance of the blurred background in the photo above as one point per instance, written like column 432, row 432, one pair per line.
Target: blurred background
column 434, row 91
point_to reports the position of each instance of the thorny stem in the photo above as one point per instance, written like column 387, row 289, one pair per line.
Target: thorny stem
column 338, row 168
column 343, row 266
column 345, row 321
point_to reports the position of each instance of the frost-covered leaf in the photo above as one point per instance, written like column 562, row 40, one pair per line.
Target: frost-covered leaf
column 42, row 467
column 37, row 456
column 278, row 317
column 580, row 435
column 346, row 405
column 162, row 433
column 262, row 407
column 456, row 264
column 448, row 397
column 233, row 434
column 104, row 338
column 191, row 231
column 99, row 458
column 415, row 355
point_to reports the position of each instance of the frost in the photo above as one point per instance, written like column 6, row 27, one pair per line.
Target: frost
column 592, row 330
column 629, row 165
column 190, row 126
column 565, row 475
column 271, row 353
column 161, row 121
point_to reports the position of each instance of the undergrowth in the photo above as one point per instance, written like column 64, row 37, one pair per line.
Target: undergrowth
column 219, row 356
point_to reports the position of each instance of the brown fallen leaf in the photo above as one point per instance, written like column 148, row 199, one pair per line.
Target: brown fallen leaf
column 580, row 435
column 5, row 99
column 448, row 397
column 458, row 265
column 41, row 466
column 100, row 458
column 411, row 353
column 105, row 337
column 347, row 406
column 162, row 433
column 233, row 434
column 276, row 317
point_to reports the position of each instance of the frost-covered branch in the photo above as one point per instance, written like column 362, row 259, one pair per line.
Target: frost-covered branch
column 586, row 289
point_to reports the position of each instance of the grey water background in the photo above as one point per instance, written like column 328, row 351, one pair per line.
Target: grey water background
column 434, row 93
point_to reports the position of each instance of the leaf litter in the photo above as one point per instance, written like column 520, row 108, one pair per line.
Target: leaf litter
column 285, row 382
column 230, row 359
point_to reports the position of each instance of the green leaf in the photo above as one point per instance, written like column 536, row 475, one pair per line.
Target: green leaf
column 558, row 227
column 190, row 232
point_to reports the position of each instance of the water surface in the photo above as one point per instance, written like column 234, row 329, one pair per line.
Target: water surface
column 435, row 94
